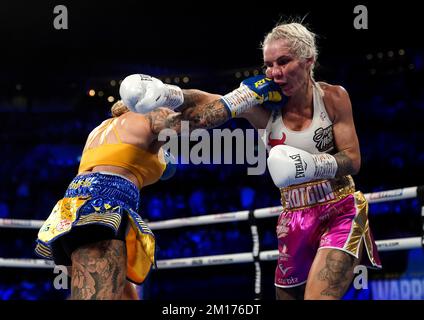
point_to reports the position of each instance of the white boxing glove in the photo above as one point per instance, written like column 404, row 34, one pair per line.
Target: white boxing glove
column 142, row 93
column 288, row 166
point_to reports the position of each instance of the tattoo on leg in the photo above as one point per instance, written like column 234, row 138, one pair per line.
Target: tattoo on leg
column 336, row 272
column 99, row 271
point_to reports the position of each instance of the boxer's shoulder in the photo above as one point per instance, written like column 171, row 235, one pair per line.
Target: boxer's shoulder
column 332, row 91
column 336, row 98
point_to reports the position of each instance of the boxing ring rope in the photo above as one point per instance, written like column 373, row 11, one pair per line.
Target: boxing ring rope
column 246, row 257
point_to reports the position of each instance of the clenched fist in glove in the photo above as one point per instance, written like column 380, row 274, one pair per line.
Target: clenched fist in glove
column 142, row 93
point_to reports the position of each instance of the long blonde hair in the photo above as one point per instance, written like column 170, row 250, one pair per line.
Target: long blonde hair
column 118, row 109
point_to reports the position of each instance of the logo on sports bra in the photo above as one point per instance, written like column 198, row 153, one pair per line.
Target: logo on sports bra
column 324, row 138
column 275, row 142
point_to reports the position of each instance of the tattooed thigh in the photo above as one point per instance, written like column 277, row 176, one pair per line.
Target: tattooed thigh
column 337, row 273
column 99, row 271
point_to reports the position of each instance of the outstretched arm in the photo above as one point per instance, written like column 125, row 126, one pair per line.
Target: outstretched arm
column 145, row 94
column 202, row 110
column 205, row 116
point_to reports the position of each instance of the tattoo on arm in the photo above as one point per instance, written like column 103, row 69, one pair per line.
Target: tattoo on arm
column 344, row 164
column 191, row 98
column 158, row 119
column 206, row 116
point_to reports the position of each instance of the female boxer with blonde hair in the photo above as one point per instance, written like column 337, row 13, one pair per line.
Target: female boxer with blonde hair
column 313, row 151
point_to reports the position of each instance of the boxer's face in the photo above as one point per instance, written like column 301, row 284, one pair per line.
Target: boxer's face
column 290, row 72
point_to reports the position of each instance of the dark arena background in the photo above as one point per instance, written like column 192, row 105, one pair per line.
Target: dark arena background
column 57, row 85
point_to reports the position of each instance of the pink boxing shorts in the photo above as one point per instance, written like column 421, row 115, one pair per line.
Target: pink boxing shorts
column 316, row 215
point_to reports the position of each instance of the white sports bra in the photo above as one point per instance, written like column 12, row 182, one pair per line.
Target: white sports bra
column 317, row 138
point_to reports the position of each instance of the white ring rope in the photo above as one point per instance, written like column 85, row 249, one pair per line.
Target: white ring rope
column 390, row 195
column 382, row 245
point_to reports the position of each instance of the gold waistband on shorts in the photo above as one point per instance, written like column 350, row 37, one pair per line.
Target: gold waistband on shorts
column 317, row 192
